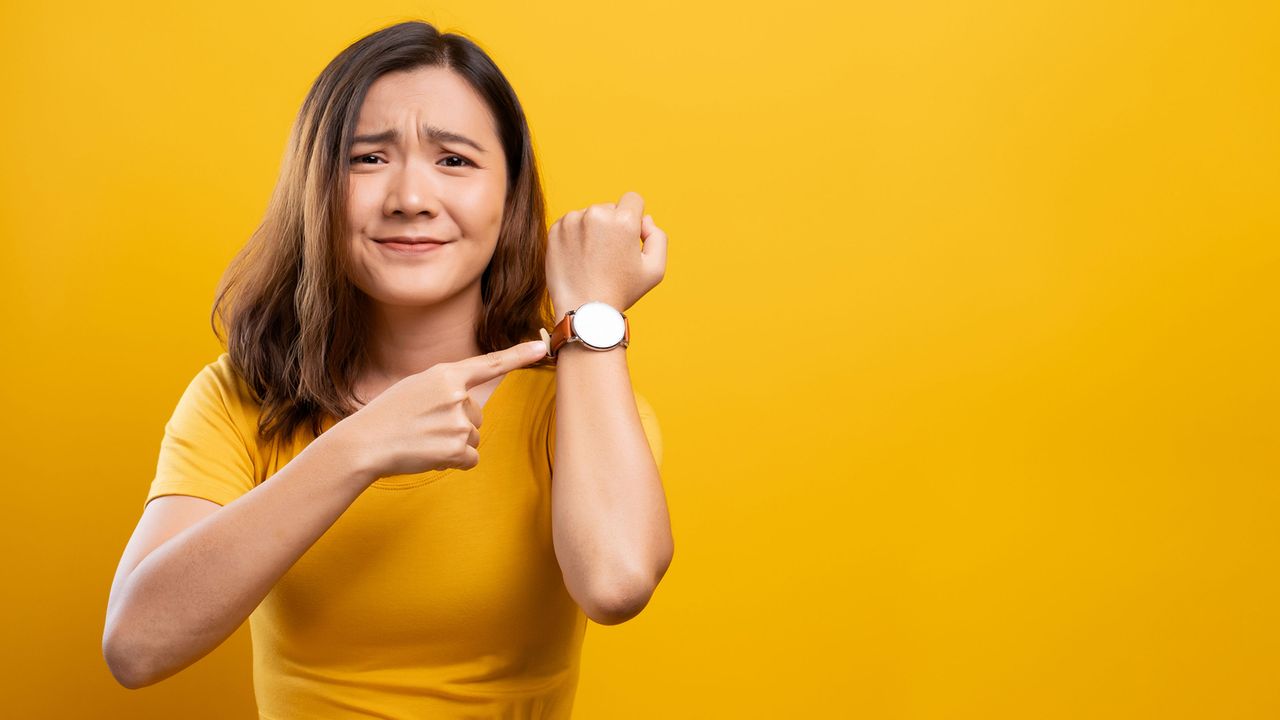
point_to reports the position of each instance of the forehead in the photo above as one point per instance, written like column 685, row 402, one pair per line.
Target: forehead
column 434, row 94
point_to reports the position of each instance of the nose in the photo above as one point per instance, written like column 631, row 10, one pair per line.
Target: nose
column 411, row 191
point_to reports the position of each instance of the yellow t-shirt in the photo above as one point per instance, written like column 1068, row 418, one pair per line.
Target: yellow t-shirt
column 435, row 595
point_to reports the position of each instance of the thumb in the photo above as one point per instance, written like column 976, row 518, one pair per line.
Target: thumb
column 483, row 368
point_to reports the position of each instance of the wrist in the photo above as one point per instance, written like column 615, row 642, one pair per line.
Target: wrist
column 347, row 449
column 558, row 308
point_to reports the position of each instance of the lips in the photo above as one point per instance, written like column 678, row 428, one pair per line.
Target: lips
column 406, row 240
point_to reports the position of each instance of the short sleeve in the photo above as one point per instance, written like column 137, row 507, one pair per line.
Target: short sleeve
column 648, row 421
column 203, row 452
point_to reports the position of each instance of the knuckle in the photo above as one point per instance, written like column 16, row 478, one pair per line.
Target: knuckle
column 461, row 455
column 460, row 451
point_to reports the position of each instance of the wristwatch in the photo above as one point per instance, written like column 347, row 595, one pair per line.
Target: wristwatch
column 596, row 325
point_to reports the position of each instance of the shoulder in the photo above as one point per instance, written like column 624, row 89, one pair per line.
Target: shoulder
column 218, row 389
column 222, row 375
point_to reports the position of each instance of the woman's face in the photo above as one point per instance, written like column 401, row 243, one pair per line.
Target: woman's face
column 415, row 171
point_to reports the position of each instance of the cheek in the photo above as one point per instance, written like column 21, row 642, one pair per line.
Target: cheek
column 363, row 208
column 362, row 203
column 482, row 208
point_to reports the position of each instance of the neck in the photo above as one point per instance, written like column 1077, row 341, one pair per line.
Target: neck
column 404, row 340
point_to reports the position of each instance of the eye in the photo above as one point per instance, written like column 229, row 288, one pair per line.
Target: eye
column 359, row 159
column 464, row 160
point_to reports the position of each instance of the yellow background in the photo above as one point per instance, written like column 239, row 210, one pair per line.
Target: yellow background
column 965, row 358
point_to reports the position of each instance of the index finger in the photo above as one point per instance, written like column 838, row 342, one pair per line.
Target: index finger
column 483, row 368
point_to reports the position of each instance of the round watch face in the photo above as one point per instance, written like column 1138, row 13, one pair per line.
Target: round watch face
column 599, row 325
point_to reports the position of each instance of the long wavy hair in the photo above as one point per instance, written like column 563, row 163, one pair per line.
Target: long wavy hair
column 295, row 322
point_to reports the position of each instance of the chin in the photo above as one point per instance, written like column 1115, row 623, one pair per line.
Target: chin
column 409, row 298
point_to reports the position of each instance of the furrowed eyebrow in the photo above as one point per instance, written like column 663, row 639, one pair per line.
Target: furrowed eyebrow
column 433, row 133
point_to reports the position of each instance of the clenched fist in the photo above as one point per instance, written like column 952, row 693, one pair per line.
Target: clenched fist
column 609, row 252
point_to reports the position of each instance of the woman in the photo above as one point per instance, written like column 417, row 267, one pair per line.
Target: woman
column 330, row 478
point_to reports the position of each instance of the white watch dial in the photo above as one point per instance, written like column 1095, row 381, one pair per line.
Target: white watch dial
column 599, row 324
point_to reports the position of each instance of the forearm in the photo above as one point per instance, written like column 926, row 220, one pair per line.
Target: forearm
column 188, row 595
column 611, row 530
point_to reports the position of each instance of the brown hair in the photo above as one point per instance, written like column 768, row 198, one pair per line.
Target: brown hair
column 295, row 321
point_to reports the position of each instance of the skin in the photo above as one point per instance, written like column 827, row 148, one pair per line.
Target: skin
column 193, row 571
column 424, row 308
column 610, row 524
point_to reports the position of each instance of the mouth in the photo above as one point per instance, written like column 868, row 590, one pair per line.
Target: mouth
column 411, row 245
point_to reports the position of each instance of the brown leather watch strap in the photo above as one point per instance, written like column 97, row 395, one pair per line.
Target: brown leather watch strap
column 563, row 332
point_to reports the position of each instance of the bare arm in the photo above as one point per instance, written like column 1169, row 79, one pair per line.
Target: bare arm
column 183, row 598
column 610, row 525
column 609, row 518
